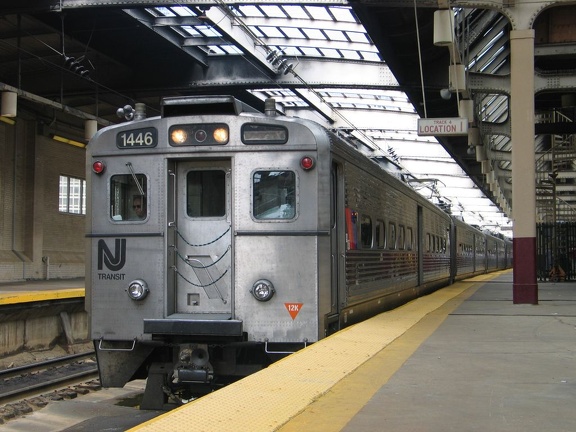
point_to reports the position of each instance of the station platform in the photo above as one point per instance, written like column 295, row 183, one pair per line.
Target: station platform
column 464, row 358
column 40, row 290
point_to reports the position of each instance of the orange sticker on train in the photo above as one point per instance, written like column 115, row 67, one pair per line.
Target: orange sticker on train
column 293, row 309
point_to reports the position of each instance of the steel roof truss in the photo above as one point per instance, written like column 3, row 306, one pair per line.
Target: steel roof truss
column 167, row 33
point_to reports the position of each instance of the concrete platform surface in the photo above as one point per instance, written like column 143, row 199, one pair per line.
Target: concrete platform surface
column 490, row 366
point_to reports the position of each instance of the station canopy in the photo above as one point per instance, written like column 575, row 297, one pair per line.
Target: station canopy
column 370, row 106
column 317, row 60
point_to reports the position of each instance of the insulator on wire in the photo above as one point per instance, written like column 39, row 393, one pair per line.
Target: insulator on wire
column 74, row 65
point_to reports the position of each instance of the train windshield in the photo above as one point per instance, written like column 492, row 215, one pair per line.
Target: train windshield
column 274, row 195
column 128, row 197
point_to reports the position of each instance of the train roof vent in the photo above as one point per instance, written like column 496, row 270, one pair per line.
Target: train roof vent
column 203, row 105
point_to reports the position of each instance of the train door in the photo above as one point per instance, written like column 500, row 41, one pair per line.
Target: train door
column 202, row 237
column 336, row 248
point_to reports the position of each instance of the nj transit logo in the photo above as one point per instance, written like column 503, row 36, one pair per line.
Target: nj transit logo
column 113, row 261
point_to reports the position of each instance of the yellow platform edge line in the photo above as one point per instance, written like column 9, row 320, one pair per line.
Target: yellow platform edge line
column 15, row 297
column 266, row 400
column 335, row 409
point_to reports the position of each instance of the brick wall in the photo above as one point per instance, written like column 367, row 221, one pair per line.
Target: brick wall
column 33, row 233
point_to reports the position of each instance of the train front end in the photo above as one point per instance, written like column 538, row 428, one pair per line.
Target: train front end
column 205, row 247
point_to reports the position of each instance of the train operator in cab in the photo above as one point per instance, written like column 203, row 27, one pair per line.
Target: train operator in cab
column 139, row 206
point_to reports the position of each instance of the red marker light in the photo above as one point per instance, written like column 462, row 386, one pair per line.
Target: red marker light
column 98, row 167
column 307, row 163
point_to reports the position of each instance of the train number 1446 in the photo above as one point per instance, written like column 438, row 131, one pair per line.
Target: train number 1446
column 137, row 138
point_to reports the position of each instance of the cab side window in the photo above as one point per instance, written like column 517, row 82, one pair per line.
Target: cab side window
column 128, row 197
column 274, row 195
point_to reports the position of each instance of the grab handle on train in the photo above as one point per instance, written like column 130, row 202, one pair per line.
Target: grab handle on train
column 173, row 221
column 101, row 348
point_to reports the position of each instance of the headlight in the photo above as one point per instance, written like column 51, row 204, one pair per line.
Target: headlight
column 138, row 289
column 220, row 135
column 178, row 136
column 262, row 290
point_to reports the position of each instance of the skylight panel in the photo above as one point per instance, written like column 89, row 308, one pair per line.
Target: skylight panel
column 164, row 11
column 250, row 11
column 183, row 11
column 319, row 13
column 154, row 12
column 295, row 104
column 343, row 14
column 293, row 33
column 208, row 31
column 295, row 12
column 257, row 32
column 271, row 32
column 281, row 93
column 371, row 56
column 351, row 55
column 312, row 52
column 231, row 49
column 329, row 52
column 314, row 34
column 336, row 35
column 347, row 105
column 291, row 51
column 357, row 37
column 191, row 31
column 331, row 93
column 215, row 49
column 273, row 11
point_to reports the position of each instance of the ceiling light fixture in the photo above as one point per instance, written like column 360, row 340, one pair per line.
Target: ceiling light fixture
column 67, row 141
column 7, row 120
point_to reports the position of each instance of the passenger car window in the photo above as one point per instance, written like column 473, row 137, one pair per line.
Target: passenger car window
column 380, row 234
column 401, row 237
column 366, row 231
column 128, row 197
column 391, row 235
column 274, row 195
column 206, row 193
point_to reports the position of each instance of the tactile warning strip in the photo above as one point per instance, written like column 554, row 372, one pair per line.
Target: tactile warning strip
column 268, row 399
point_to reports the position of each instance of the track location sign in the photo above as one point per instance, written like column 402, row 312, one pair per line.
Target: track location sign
column 443, row 126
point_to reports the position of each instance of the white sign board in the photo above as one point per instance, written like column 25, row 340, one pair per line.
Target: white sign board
column 443, row 126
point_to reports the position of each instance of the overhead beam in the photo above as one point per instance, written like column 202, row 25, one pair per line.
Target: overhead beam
column 229, row 25
column 54, row 105
column 149, row 21
column 77, row 4
column 309, row 72
column 434, row 4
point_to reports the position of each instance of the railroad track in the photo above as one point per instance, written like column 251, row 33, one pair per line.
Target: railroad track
column 37, row 378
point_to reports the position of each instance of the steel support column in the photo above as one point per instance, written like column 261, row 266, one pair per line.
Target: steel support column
column 525, row 287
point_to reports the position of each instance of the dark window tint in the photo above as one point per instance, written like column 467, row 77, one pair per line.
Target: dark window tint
column 206, row 193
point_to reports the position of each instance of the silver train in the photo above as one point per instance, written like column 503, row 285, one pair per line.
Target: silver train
column 221, row 239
